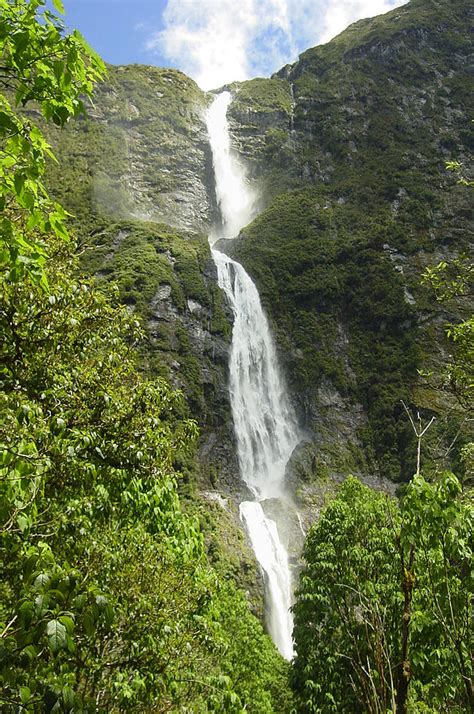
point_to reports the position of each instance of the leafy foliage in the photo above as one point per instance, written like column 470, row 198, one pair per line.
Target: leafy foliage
column 453, row 280
column 438, row 522
column 374, row 573
column 39, row 65
column 347, row 606
column 107, row 600
column 83, row 438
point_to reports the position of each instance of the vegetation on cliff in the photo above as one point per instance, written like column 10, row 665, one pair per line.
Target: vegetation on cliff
column 385, row 598
column 339, row 257
column 322, row 268
column 109, row 600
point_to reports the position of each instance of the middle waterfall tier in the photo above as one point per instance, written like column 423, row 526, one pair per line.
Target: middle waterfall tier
column 266, row 431
column 265, row 424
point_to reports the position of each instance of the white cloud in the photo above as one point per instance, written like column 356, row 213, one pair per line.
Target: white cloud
column 339, row 15
column 219, row 41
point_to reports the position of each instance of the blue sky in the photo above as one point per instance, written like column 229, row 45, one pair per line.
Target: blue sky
column 214, row 41
column 118, row 29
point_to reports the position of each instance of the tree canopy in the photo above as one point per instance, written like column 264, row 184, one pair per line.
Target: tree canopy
column 383, row 611
column 42, row 66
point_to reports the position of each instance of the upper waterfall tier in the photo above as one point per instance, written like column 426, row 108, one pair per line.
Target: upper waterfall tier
column 234, row 197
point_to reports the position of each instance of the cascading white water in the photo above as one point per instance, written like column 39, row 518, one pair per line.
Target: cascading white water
column 265, row 425
column 235, row 200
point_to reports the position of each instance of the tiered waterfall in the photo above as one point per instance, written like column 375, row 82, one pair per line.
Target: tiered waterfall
column 264, row 422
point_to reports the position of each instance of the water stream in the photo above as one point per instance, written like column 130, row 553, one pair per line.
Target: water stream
column 265, row 425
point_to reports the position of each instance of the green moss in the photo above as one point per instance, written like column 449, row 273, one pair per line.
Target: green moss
column 320, row 265
column 424, row 15
column 227, row 548
column 262, row 95
column 140, row 258
column 123, row 159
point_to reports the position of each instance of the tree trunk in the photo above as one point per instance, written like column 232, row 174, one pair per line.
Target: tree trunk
column 404, row 668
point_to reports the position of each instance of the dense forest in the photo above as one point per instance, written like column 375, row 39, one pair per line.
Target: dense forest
column 124, row 588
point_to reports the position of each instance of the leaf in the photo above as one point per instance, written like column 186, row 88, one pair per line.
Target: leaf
column 19, row 181
column 68, row 622
column 23, row 522
column 25, row 694
column 88, row 621
column 68, row 697
column 26, row 613
column 56, row 635
column 42, row 581
column 101, row 601
column 80, row 601
column 31, row 652
column 59, row 6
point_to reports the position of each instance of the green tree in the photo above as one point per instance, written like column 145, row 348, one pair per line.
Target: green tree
column 40, row 64
column 348, row 606
column 383, row 614
column 438, row 527
column 107, row 602
column 84, row 440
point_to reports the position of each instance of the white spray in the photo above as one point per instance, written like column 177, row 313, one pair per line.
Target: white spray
column 265, row 425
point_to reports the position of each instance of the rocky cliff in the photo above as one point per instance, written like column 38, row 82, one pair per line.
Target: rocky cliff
column 142, row 152
column 346, row 151
column 360, row 140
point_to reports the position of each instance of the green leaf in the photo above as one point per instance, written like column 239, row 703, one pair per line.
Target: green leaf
column 42, row 581
column 88, row 621
column 68, row 697
column 59, row 6
column 56, row 632
column 25, row 694
column 68, row 622
column 26, row 613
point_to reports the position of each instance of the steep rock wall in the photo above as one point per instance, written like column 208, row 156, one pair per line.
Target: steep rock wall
column 338, row 260
column 346, row 150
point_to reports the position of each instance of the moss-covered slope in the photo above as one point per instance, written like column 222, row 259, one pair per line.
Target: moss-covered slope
column 346, row 148
column 338, row 258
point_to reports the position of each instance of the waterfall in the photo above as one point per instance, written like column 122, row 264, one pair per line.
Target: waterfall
column 235, row 200
column 265, row 425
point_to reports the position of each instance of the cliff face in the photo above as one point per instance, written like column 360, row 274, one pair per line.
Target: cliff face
column 346, row 150
column 139, row 183
column 394, row 86
column 142, row 152
column 371, row 117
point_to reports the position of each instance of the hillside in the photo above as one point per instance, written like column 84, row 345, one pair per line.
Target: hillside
column 338, row 259
column 346, row 149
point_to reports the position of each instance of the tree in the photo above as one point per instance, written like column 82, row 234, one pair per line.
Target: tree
column 453, row 281
column 438, row 527
column 385, row 602
column 39, row 64
column 107, row 601
column 86, row 442
column 348, row 606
